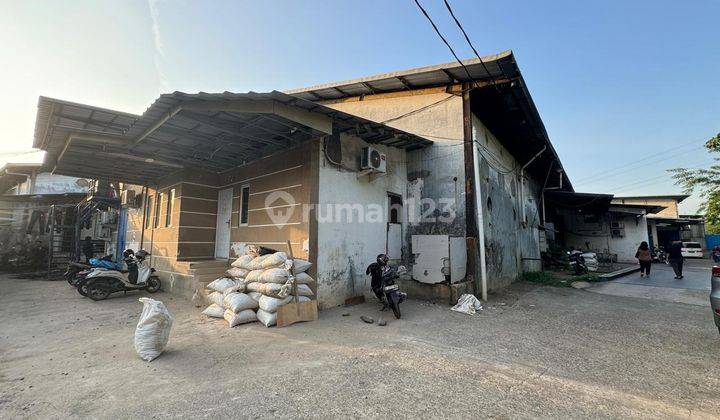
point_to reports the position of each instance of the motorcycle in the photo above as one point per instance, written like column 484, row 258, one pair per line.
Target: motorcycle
column 101, row 283
column 76, row 271
column 392, row 296
column 577, row 263
column 659, row 256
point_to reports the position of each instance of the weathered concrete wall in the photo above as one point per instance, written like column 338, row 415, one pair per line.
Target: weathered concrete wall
column 511, row 241
column 671, row 204
column 596, row 237
column 352, row 219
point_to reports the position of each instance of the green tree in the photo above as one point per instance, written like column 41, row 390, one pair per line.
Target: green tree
column 707, row 181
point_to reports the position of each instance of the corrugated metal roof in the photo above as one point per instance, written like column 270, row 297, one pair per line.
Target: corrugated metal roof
column 211, row 137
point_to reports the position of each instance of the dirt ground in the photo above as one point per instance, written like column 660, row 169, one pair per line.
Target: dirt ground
column 533, row 352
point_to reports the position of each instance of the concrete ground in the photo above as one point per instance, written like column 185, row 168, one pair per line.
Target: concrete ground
column 693, row 289
column 533, row 352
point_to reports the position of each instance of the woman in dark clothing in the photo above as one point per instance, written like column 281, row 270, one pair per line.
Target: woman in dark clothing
column 676, row 259
column 645, row 258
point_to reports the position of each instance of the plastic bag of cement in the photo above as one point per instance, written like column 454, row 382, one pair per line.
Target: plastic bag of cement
column 271, row 304
column 253, row 276
column 237, row 272
column 239, row 302
column 214, row 310
column 273, row 289
column 274, row 260
column 467, row 304
column 255, row 295
column 242, row 261
column 300, row 266
column 242, row 317
column 153, row 329
column 221, row 284
column 274, row 275
column 216, row 298
column 238, row 288
column 266, row 318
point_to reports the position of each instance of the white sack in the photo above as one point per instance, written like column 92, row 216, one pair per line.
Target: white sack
column 255, row 295
column 303, row 278
column 273, row 289
column 467, row 304
column 221, row 284
column 237, row 272
column 300, row 266
column 242, row 317
column 266, row 318
column 253, row 276
column 216, row 298
column 238, row 288
column 257, row 262
column 274, row 260
column 274, row 275
column 214, row 310
column 239, row 302
column 242, row 261
column 271, row 304
column 153, row 329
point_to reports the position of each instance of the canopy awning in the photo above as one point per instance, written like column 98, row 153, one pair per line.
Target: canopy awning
column 210, row 132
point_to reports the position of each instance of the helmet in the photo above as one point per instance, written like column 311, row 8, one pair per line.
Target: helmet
column 128, row 252
column 382, row 259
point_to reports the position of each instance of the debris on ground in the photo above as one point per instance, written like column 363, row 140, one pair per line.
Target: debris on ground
column 580, row 284
column 467, row 304
column 382, row 322
column 366, row 319
column 346, row 314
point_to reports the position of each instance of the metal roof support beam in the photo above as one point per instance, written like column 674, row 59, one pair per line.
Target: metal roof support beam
column 226, row 127
column 143, row 159
column 158, row 124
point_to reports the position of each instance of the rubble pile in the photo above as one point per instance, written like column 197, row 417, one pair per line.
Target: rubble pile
column 256, row 286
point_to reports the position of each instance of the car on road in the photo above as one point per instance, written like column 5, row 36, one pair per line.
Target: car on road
column 715, row 294
column 691, row 250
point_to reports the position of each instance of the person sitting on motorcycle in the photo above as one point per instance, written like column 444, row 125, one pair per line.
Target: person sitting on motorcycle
column 375, row 271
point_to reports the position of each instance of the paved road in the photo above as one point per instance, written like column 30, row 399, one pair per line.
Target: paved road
column 533, row 352
column 693, row 289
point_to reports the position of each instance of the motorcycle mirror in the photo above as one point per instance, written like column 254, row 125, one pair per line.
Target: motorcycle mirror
column 401, row 270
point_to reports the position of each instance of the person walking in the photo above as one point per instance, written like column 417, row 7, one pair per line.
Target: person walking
column 645, row 258
column 676, row 259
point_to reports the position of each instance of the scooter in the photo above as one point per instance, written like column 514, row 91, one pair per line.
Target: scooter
column 102, row 283
column 393, row 297
column 77, row 271
column 577, row 263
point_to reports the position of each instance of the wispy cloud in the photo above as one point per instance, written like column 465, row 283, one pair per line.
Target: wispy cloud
column 157, row 42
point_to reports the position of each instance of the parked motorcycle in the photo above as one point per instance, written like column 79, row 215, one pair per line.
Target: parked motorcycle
column 577, row 262
column 77, row 271
column 100, row 283
column 392, row 296
column 659, row 256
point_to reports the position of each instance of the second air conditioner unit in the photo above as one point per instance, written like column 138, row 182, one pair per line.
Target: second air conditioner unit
column 374, row 160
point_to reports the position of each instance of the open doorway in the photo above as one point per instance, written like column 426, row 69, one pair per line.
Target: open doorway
column 393, row 244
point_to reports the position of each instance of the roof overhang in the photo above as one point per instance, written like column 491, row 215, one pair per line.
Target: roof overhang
column 589, row 202
column 211, row 132
column 647, row 208
column 677, row 197
column 500, row 98
column 12, row 174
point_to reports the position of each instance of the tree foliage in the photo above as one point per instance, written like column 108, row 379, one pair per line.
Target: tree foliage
column 707, row 181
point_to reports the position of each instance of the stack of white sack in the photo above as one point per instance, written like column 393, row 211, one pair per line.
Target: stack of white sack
column 269, row 276
column 591, row 261
column 228, row 301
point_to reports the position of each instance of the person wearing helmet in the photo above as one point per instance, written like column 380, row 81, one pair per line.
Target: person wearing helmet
column 375, row 271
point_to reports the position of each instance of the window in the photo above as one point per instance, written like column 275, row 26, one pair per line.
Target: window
column 156, row 221
column 168, row 214
column 148, row 211
column 244, row 204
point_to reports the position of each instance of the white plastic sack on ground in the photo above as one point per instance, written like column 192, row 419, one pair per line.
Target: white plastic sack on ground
column 271, row 304
column 242, row 261
column 221, row 284
column 301, row 266
column 274, row 260
column 216, row 298
column 153, row 329
column 255, row 295
column 214, row 310
column 239, row 302
column 237, row 272
column 257, row 262
column 273, row 289
column 242, row 317
column 238, row 288
column 467, row 304
column 266, row 318
column 274, row 275
column 253, row 276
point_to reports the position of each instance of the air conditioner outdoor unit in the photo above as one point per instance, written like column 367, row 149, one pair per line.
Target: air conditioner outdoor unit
column 617, row 225
column 617, row 233
column 372, row 159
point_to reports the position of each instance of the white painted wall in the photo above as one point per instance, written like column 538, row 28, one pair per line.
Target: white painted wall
column 597, row 238
column 345, row 248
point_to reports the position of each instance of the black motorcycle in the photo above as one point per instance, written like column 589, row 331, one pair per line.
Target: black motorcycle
column 392, row 296
column 577, row 263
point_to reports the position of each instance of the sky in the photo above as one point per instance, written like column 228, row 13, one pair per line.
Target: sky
column 626, row 89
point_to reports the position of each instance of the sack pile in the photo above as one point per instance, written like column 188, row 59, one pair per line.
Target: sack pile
column 256, row 286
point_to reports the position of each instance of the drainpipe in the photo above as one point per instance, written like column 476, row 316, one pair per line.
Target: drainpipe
column 522, row 182
column 480, row 225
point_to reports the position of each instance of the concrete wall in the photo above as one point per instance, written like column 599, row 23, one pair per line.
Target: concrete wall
column 511, row 241
column 671, row 204
column 352, row 219
column 596, row 237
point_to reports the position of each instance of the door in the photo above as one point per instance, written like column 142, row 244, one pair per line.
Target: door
column 393, row 240
column 222, row 232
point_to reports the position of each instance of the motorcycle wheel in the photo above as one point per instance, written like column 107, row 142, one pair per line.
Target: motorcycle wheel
column 98, row 293
column 82, row 289
column 395, row 308
column 153, row 284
